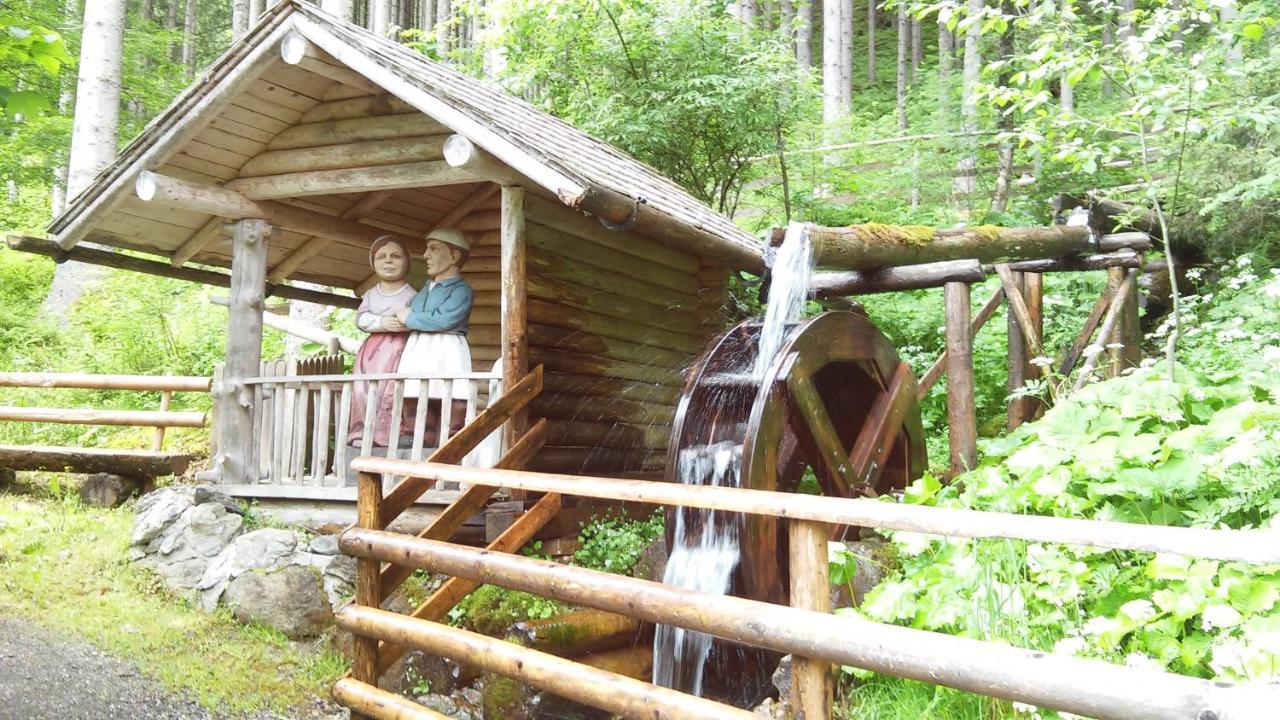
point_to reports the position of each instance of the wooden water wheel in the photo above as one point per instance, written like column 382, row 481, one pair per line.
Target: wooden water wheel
column 836, row 401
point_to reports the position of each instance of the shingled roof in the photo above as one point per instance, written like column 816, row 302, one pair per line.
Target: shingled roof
column 581, row 171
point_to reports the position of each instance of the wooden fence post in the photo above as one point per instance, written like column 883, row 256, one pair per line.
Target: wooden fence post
column 960, row 403
column 811, row 686
column 364, row 666
column 515, row 326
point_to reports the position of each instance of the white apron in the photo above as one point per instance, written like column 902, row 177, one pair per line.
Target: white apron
column 428, row 353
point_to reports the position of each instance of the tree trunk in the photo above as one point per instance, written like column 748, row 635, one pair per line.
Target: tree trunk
column 1004, row 169
column 340, row 8
column 426, row 15
column 239, row 18
column 444, row 15
column 1176, row 6
column 1108, row 46
column 380, row 16
column 945, row 42
column 749, row 12
column 830, row 60
column 846, row 56
column 256, row 8
column 967, row 167
column 1129, row 26
column 917, row 49
column 904, row 42
column 93, row 133
column 189, row 38
column 871, row 42
column 804, row 33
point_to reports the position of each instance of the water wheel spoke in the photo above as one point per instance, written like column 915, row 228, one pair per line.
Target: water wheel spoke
column 817, row 435
column 876, row 439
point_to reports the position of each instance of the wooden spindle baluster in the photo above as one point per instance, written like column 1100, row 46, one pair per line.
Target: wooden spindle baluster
column 320, row 446
column 419, row 428
column 284, row 434
column 300, row 434
column 397, row 413
column 340, row 433
column 370, row 416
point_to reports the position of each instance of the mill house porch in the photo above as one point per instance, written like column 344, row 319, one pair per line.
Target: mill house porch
column 596, row 280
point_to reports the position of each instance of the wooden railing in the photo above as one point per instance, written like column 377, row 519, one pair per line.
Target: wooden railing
column 89, row 460
column 805, row 630
column 303, row 424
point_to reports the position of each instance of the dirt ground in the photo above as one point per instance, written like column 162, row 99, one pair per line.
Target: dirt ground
column 47, row 675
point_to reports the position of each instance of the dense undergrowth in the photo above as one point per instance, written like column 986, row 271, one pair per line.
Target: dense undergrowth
column 1199, row 450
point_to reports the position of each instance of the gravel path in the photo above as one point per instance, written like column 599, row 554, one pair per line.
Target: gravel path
column 48, row 676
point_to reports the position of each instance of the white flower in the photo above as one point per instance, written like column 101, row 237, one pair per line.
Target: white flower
column 1092, row 350
column 1196, row 393
column 1147, row 362
column 1271, row 290
column 1114, row 346
column 1271, row 353
column 1025, row 709
column 1070, row 646
column 1243, row 261
column 1041, row 361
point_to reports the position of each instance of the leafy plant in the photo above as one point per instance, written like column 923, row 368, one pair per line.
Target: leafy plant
column 614, row 544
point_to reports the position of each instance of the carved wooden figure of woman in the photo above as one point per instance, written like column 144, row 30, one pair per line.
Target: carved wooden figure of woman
column 388, row 335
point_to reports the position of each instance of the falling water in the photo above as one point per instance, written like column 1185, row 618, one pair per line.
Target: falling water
column 705, row 542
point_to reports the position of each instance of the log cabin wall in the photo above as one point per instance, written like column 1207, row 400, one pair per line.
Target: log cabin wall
column 483, row 272
column 615, row 318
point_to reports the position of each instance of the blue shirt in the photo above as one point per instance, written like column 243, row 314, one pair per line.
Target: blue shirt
column 441, row 307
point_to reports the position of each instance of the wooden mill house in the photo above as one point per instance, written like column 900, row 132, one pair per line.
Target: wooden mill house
column 311, row 137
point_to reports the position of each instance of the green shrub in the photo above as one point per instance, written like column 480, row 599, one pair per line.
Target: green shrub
column 614, row 544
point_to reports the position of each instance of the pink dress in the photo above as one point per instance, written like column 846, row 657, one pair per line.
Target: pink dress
column 379, row 353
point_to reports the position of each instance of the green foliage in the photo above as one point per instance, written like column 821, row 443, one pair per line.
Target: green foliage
column 490, row 610
column 614, row 544
column 30, row 55
column 682, row 86
column 1199, row 451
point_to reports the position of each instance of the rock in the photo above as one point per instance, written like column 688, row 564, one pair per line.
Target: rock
column 339, row 572
column 292, row 600
column 653, row 561
column 875, row 559
column 442, row 675
column 324, row 545
column 107, row 491
column 506, row 698
column 207, row 493
column 442, row 704
column 782, row 677
column 267, row 549
column 156, row 510
column 776, row 709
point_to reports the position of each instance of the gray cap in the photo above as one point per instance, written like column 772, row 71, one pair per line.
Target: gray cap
column 450, row 236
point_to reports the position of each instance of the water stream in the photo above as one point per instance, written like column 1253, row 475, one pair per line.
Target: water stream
column 705, row 550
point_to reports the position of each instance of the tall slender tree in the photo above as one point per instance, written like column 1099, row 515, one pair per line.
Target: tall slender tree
column 380, row 16
column 831, row 74
column 239, row 18
column 444, row 26
column 1004, row 164
column 967, row 167
column 871, row 42
column 94, row 129
column 846, row 55
column 917, row 49
column 804, row 32
column 945, row 49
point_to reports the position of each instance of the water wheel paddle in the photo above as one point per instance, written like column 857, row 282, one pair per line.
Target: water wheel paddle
column 836, row 400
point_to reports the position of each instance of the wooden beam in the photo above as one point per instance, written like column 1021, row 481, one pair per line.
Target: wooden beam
column 1128, row 333
column 369, row 516
column 237, row 444
column 1068, row 357
column 961, row 416
column 1018, row 306
column 180, row 194
column 463, row 154
column 153, row 383
column 894, row 279
column 1108, row 325
column 78, row 416
column 430, row 173
column 382, row 127
column 365, row 699
column 365, row 153
column 127, row 463
column 214, row 228
column 121, row 261
column 295, row 50
column 1125, row 257
column 313, row 245
column 811, row 687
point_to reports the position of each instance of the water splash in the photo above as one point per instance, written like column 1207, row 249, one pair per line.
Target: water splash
column 705, row 543
column 792, row 269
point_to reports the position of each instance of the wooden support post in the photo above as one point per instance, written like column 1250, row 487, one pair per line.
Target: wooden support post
column 157, row 440
column 1019, row 370
column 1127, row 333
column 515, row 309
column 935, row 370
column 364, row 666
column 236, row 443
column 1033, row 294
column 810, row 590
column 960, row 403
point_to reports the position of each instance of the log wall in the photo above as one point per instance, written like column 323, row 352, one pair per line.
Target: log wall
column 615, row 318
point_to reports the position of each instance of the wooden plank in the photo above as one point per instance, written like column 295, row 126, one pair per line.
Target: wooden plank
column 604, row 367
column 386, row 127
column 127, row 463
column 340, row 433
column 322, row 182
column 961, row 415
column 557, row 216
column 614, row 305
column 587, row 251
column 367, row 700
column 345, row 155
column 356, row 108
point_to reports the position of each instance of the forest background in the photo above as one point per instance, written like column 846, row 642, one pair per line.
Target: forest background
column 927, row 113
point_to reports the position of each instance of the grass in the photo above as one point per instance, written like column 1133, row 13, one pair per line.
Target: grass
column 66, row 567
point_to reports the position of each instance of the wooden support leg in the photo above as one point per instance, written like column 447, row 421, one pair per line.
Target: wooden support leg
column 236, row 445
column 1126, row 332
column 810, row 589
column 1033, row 294
column 364, row 667
column 1018, row 365
column 515, row 313
column 960, row 403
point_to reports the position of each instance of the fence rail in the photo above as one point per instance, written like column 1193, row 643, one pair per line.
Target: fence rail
column 815, row 639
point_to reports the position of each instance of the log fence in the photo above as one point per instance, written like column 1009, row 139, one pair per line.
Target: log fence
column 806, row 630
